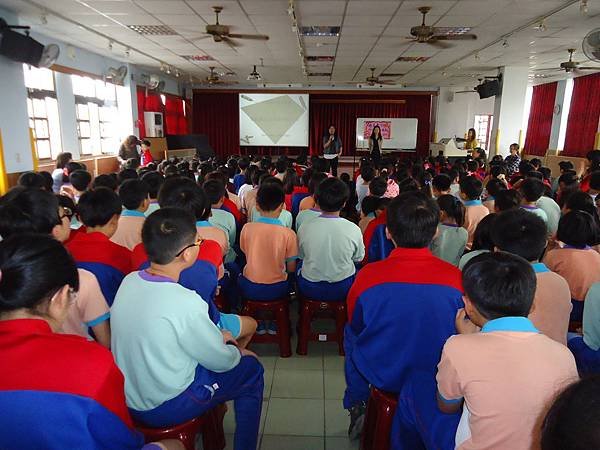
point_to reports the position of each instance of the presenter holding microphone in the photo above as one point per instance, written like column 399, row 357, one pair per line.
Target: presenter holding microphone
column 375, row 144
column 332, row 149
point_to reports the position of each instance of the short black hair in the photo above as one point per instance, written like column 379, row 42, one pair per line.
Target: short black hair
column 29, row 211
column 147, row 143
column 97, row 207
column 573, row 422
column 482, row 238
column 577, row 229
column 126, row 174
column 378, row 186
column 412, row 219
column 72, row 166
column 105, row 180
column 367, row 172
column 499, row 285
column 34, row 267
column 494, row 186
column 565, row 165
column 520, row 232
column 441, row 182
column 472, row 187
column 243, row 162
column 332, row 194
column 80, row 179
column 369, row 204
column 32, row 180
column 215, row 190
column 595, row 180
column 183, row 193
column 166, row 232
column 270, row 196
column 453, row 207
column 281, row 164
column 532, row 189
column 132, row 193
column 507, row 199
column 154, row 180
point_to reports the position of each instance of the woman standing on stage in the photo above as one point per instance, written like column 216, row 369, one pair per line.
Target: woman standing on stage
column 471, row 143
column 332, row 149
column 375, row 145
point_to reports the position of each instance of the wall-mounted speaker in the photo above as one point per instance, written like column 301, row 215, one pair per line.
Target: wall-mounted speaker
column 23, row 48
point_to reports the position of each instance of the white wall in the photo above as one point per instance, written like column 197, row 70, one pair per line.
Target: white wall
column 456, row 113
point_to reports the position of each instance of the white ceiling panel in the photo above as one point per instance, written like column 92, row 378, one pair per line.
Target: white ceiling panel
column 187, row 20
column 162, row 7
column 268, row 7
column 372, row 8
column 320, row 8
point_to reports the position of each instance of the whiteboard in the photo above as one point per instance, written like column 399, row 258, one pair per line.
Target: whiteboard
column 397, row 133
column 274, row 119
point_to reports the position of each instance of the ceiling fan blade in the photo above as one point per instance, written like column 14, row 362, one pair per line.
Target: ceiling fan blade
column 388, row 82
column 455, row 37
column 555, row 69
column 230, row 42
column 466, row 92
column 256, row 37
column 588, row 68
column 206, row 36
column 438, row 44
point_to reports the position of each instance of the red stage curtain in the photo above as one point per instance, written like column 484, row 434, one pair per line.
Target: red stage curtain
column 147, row 103
column 175, row 121
column 217, row 115
column 540, row 119
column 583, row 116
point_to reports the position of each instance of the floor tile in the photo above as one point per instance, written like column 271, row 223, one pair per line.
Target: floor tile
column 297, row 384
column 335, row 385
column 341, row 443
column 312, row 361
column 229, row 420
column 299, row 417
column 268, row 377
column 330, row 348
column 270, row 442
column 268, row 362
column 336, row 419
column 333, row 362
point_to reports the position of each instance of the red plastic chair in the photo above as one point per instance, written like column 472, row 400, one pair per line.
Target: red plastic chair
column 210, row 425
column 378, row 420
column 311, row 309
column 280, row 311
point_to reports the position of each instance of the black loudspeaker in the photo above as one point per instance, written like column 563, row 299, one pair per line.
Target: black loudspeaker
column 19, row 47
column 488, row 89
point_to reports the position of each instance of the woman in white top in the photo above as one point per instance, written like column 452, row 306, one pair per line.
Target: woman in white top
column 62, row 159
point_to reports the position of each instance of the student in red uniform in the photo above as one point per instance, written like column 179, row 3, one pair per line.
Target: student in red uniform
column 99, row 210
column 134, row 196
column 400, row 310
column 57, row 391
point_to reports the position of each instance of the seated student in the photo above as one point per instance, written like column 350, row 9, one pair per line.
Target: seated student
column 99, row 211
column 308, row 202
column 502, row 376
column 231, row 202
column 552, row 210
column 285, row 217
column 154, row 181
column 215, row 191
column 247, row 186
column 239, row 179
column 594, row 182
column 31, row 180
column 281, row 166
column 329, row 246
column 134, row 196
column 370, row 206
column 507, row 199
column 271, row 249
column 440, row 185
column 482, row 240
column 568, row 183
column 45, row 400
column 36, row 211
column 532, row 189
column 492, row 189
column 470, row 192
column 178, row 364
column 378, row 187
column 79, row 180
column 105, row 180
column 576, row 261
column 145, row 154
column 585, row 348
column 455, row 184
column 249, row 198
column 309, row 214
column 126, row 174
column 451, row 238
column 523, row 234
column 367, row 173
column 409, row 300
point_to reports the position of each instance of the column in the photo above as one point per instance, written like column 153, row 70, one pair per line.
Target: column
column 66, row 110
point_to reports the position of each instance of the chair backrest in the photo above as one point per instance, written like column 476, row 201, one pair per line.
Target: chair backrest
column 380, row 246
column 108, row 277
column 296, row 199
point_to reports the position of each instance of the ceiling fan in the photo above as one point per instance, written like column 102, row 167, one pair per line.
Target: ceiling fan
column 214, row 78
column 569, row 66
column 254, row 75
column 434, row 35
column 373, row 80
column 220, row 33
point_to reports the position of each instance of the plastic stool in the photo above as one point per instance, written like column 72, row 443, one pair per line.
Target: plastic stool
column 310, row 309
column 281, row 313
column 378, row 420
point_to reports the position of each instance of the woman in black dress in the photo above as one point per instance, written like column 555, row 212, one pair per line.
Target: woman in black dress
column 375, row 144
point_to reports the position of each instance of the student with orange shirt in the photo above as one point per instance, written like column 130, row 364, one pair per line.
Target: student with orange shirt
column 134, row 195
column 576, row 261
column 471, row 189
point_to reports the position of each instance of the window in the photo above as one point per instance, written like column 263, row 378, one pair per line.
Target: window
column 97, row 115
column 483, row 129
column 42, row 109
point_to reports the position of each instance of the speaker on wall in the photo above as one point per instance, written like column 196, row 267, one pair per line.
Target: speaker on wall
column 23, row 48
column 488, row 88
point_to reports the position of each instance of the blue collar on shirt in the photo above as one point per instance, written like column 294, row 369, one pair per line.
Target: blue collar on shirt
column 132, row 213
column 587, row 247
column 490, row 198
column 472, row 202
column 324, row 215
column 203, row 223
column 522, row 324
column 145, row 275
column 539, row 267
column 529, row 208
column 269, row 220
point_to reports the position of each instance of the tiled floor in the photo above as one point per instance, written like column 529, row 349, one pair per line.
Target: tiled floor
column 302, row 407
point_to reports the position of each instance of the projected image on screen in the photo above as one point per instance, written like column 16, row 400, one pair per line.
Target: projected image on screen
column 274, row 119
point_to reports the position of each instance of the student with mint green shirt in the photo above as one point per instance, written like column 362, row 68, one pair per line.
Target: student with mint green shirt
column 451, row 239
column 306, row 215
column 224, row 220
column 285, row 217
